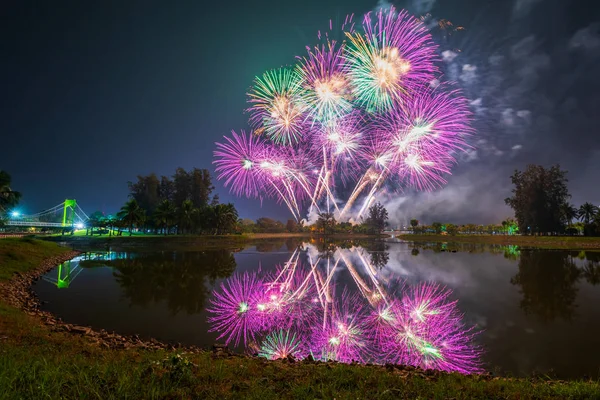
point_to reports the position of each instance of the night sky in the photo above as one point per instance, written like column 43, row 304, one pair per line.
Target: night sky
column 95, row 93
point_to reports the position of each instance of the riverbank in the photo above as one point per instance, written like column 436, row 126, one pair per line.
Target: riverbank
column 197, row 242
column 542, row 242
column 39, row 360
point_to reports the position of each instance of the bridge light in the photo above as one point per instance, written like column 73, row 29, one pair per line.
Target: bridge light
column 79, row 225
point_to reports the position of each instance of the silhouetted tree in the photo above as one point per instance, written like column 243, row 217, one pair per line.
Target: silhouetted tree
column 132, row 215
column 587, row 213
column 377, row 218
column 8, row 197
column 326, row 223
column 165, row 215
column 538, row 198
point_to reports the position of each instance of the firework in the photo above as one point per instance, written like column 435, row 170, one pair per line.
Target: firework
column 277, row 107
column 238, row 163
column 353, row 116
column 234, row 308
column 282, row 344
column 391, row 60
column 327, row 93
column 297, row 311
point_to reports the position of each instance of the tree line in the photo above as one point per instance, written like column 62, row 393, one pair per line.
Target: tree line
column 181, row 204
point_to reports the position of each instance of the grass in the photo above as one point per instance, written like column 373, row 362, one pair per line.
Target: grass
column 23, row 254
column 38, row 363
column 543, row 242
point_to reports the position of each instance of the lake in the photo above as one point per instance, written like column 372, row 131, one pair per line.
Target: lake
column 467, row 308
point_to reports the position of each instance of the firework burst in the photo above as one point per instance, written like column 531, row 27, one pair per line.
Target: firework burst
column 352, row 117
column 282, row 344
column 234, row 308
column 277, row 107
column 391, row 60
column 238, row 163
column 327, row 93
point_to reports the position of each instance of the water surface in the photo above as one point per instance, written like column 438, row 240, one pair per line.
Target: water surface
column 536, row 311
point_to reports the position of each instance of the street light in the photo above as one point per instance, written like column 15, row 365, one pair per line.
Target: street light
column 15, row 214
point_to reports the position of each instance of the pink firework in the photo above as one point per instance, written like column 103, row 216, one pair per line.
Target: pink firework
column 327, row 92
column 234, row 308
column 427, row 332
column 343, row 336
column 237, row 160
column 424, row 136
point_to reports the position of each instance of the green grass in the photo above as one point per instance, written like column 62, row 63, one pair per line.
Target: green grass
column 38, row 363
column 23, row 254
column 544, row 242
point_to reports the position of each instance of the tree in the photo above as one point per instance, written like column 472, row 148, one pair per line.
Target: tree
column 538, row 196
column 326, row 223
column 225, row 218
column 437, row 226
column 131, row 214
column 146, row 191
column 8, row 197
column 201, row 187
column 95, row 220
column 587, row 212
column 186, row 215
column 451, row 229
column 291, row 226
column 265, row 224
column 378, row 217
column 569, row 213
column 414, row 223
column 165, row 215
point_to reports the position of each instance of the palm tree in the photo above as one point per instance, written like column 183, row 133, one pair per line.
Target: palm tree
column 131, row 214
column 165, row 214
column 8, row 197
column 187, row 213
column 225, row 218
column 569, row 213
column 587, row 212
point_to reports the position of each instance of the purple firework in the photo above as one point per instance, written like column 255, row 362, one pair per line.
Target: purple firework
column 238, row 160
column 327, row 93
column 234, row 308
column 428, row 332
column 423, row 136
column 343, row 336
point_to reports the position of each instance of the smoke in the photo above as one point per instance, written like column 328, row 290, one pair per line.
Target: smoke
column 465, row 199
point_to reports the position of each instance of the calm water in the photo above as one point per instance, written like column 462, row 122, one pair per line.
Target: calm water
column 535, row 311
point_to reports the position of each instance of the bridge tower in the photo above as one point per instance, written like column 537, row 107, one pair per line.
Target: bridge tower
column 69, row 212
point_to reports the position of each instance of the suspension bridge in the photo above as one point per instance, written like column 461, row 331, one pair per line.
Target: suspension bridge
column 67, row 214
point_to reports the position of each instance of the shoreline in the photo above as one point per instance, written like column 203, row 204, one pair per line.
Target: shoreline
column 76, row 361
column 541, row 242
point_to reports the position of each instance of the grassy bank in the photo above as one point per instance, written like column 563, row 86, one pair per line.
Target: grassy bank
column 23, row 254
column 37, row 362
column 544, row 242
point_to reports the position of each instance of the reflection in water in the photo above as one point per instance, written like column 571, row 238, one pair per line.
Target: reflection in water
column 547, row 281
column 299, row 311
column 178, row 277
column 65, row 274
